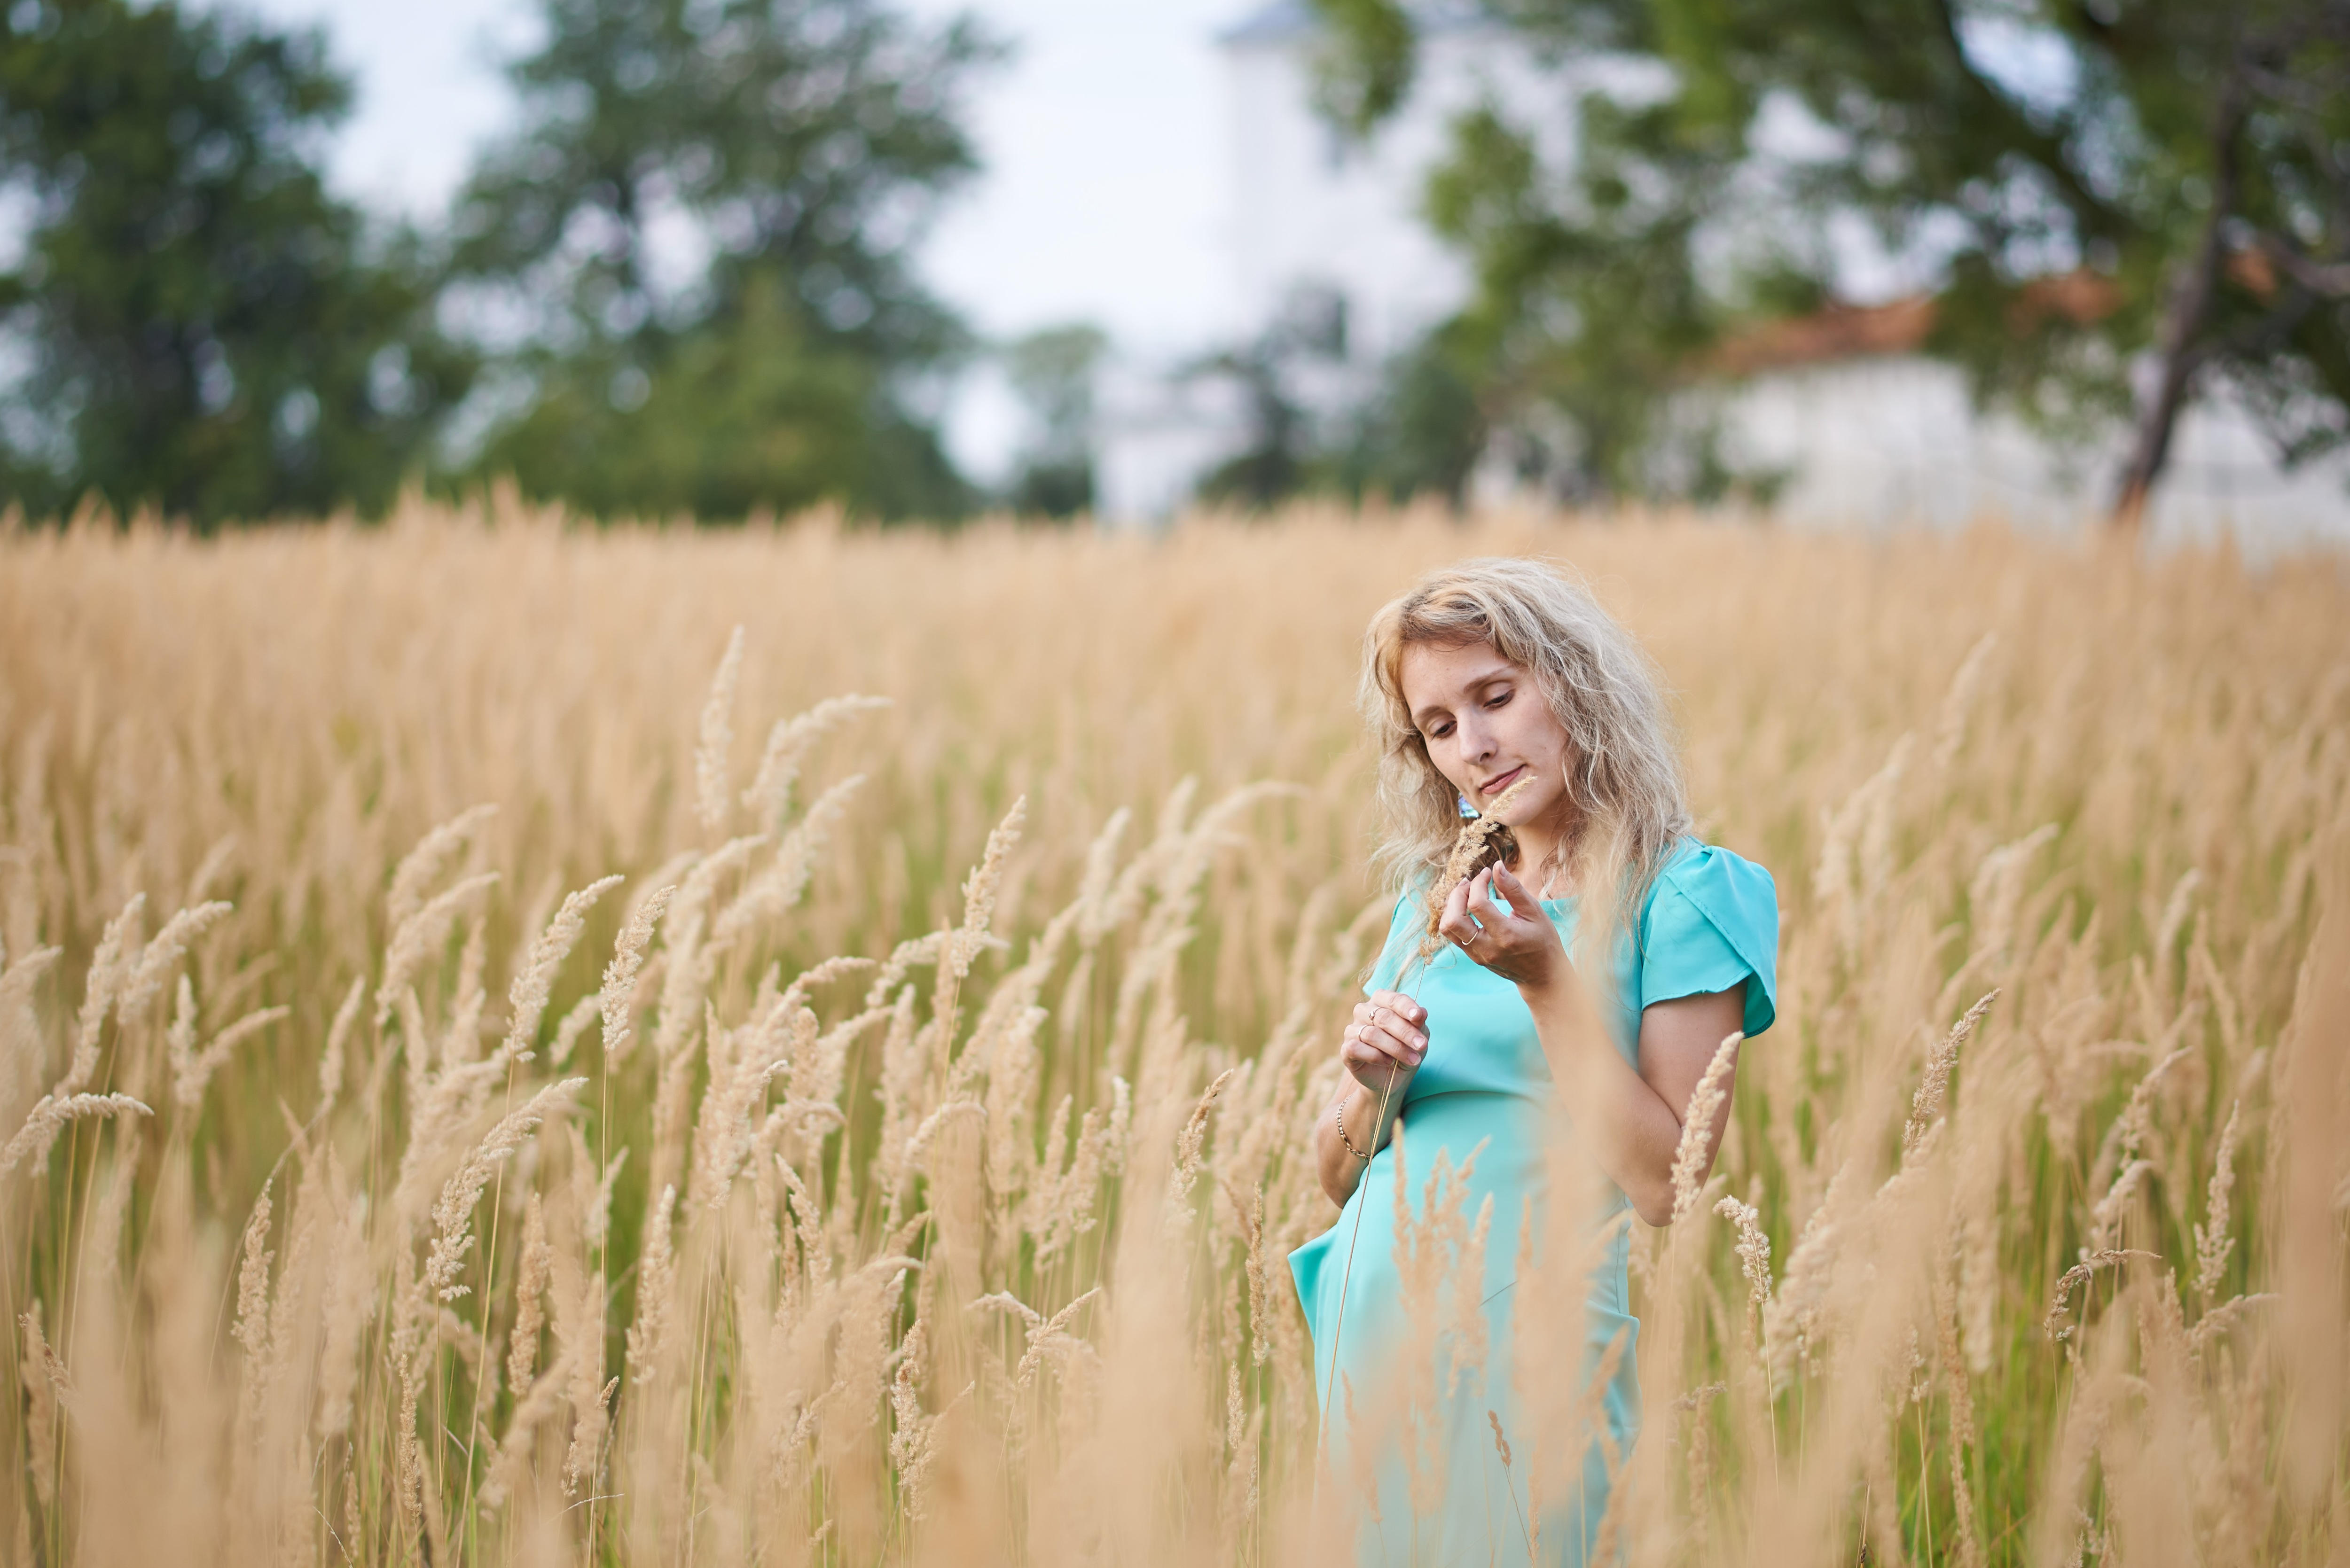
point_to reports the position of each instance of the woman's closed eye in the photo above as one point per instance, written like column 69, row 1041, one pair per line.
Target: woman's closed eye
column 1438, row 731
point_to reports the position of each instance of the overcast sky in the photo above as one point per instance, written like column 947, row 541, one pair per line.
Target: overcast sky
column 1102, row 139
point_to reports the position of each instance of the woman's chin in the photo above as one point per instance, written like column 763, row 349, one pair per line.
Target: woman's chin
column 1525, row 808
column 1538, row 805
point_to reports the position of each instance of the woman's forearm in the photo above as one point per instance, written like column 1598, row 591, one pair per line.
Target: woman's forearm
column 1338, row 1167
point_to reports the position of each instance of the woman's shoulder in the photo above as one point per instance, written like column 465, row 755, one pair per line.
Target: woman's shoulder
column 1710, row 876
column 1711, row 918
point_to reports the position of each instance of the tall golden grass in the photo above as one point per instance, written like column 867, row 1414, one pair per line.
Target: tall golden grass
column 896, row 1163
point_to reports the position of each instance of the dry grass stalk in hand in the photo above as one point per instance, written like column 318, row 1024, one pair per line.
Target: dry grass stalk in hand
column 1483, row 841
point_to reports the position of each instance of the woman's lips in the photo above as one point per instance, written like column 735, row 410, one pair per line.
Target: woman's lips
column 1496, row 787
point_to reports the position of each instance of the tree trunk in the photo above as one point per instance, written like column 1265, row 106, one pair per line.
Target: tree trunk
column 2182, row 349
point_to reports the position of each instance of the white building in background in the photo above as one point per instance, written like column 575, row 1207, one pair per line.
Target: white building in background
column 1872, row 432
column 1309, row 212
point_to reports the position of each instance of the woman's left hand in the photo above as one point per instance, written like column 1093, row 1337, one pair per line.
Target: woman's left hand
column 1519, row 944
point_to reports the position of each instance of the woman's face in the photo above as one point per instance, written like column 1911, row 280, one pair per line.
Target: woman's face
column 1485, row 726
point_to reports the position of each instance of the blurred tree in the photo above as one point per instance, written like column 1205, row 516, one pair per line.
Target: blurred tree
column 757, row 415
column 1053, row 373
column 1283, row 452
column 2086, row 186
column 205, row 329
column 1423, row 428
column 701, row 239
column 1313, row 422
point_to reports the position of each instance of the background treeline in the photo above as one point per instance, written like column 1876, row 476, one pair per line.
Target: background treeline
column 2117, row 206
column 682, row 283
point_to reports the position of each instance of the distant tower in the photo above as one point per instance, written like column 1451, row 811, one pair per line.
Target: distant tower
column 1316, row 211
column 1322, row 232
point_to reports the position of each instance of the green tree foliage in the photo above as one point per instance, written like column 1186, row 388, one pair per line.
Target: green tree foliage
column 2085, row 185
column 701, row 238
column 1422, row 431
column 1310, row 425
column 1285, row 450
column 1366, row 63
column 1052, row 371
column 206, row 328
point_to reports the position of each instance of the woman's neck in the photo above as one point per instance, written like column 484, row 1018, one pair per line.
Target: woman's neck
column 1544, row 851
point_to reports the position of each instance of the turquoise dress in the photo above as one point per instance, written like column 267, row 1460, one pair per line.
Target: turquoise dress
column 1711, row 922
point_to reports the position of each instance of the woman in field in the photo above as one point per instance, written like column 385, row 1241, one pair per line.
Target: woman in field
column 1568, row 1002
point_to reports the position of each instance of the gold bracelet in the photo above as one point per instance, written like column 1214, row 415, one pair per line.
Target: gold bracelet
column 1339, row 1115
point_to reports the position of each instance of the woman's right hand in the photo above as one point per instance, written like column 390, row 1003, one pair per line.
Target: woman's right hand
column 1386, row 1043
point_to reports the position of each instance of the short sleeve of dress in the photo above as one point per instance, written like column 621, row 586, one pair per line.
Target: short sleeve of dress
column 1401, row 929
column 1712, row 921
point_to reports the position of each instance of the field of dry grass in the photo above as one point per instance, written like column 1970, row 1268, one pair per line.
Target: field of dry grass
column 509, row 1072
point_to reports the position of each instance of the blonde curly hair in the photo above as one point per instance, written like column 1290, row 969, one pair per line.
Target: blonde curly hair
column 1626, row 782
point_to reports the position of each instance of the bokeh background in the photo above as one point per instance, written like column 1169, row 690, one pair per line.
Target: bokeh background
column 650, row 257
column 683, row 841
